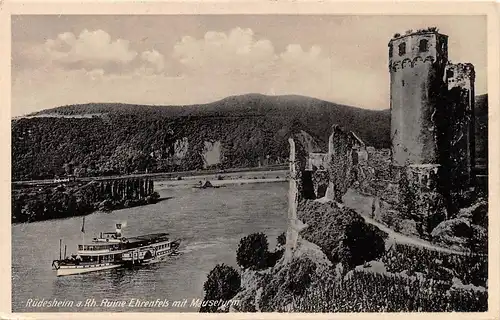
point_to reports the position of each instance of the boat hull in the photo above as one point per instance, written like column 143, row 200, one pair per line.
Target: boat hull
column 78, row 269
column 161, row 258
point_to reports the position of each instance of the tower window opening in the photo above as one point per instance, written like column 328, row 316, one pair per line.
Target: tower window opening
column 403, row 83
column 449, row 74
column 423, row 45
column 402, row 49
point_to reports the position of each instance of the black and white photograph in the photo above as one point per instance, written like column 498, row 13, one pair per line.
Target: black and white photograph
column 236, row 163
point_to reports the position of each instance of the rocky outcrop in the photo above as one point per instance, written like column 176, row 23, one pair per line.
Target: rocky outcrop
column 476, row 214
column 468, row 230
column 211, row 153
column 453, row 233
column 181, row 147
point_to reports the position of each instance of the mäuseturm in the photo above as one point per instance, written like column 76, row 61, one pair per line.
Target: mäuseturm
column 426, row 175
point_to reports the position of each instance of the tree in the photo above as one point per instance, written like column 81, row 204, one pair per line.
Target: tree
column 253, row 251
column 223, row 282
column 361, row 243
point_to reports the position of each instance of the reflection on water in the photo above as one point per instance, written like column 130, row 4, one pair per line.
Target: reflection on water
column 210, row 223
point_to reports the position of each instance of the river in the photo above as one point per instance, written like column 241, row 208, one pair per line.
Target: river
column 210, row 223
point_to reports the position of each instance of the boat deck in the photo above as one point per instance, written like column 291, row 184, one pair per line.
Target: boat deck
column 148, row 238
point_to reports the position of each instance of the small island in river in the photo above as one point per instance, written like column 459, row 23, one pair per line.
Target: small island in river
column 62, row 200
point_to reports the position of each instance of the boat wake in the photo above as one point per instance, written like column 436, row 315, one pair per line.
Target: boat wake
column 200, row 246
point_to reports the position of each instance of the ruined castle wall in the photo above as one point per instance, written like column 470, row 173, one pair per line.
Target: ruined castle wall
column 320, row 180
column 376, row 175
column 416, row 77
column 293, row 200
column 317, row 161
column 421, row 197
column 376, row 193
column 342, row 171
column 461, row 98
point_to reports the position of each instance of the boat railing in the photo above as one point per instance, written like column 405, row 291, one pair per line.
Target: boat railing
column 107, row 240
column 99, row 248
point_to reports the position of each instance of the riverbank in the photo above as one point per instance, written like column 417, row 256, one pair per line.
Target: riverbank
column 225, row 180
column 168, row 175
column 66, row 199
column 38, row 203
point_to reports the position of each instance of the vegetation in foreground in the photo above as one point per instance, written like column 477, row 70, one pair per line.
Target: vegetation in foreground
column 348, row 271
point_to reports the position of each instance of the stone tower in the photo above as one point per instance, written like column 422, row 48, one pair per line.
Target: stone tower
column 417, row 62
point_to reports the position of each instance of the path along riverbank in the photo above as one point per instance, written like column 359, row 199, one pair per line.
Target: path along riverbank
column 225, row 180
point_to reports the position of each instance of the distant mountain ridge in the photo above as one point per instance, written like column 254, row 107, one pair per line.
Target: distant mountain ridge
column 238, row 105
column 113, row 138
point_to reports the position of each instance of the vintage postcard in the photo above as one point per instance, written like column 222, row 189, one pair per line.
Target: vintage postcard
column 333, row 159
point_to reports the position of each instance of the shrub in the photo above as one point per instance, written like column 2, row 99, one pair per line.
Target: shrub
column 341, row 233
column 273, row 257
column 361, row 243
column 300, row 275
column 291, row 280
column 222, row 283
column 253, row 251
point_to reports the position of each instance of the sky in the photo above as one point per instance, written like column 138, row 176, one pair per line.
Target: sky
column 188, row 59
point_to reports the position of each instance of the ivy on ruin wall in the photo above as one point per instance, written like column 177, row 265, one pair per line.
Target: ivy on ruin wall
column 320, row 180
column 341, row 170
column 459, row 139
column 421, row 203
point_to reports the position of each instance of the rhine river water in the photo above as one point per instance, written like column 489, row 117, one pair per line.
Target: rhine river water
column 210, row 223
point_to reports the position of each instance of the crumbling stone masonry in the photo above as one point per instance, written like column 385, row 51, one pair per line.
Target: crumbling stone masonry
column 416, row 64
column 344, row 149
column 292, row 233
column 432, row 113
column 461, row 127
column 329, row 174
column 414, row 185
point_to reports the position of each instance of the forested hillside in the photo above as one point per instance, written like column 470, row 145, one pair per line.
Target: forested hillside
column 104, row 139
column 118, row 138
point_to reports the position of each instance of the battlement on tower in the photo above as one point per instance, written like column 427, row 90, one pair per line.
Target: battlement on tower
column 415, row 48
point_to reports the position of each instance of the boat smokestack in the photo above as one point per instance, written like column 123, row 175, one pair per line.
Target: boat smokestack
column 118, row 230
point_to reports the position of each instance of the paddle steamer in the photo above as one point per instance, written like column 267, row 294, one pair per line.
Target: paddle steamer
column 111, row 250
